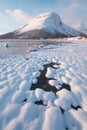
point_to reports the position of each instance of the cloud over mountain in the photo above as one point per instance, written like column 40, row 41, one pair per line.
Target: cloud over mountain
column 19, row 15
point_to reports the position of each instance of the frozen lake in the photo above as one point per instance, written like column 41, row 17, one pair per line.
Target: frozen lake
column 26, row 46
column 14, row 47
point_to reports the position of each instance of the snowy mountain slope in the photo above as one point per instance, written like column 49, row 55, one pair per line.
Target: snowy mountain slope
column 83, row 28
column 51, row 23
column 48, row 21
column 44, row 26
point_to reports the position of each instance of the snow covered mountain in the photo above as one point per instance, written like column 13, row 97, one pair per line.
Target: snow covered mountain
column 47, row 25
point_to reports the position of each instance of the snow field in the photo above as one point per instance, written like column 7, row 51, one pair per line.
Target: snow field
column 65, row 109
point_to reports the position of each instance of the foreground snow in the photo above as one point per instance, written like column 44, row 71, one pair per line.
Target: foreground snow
column 23, row 108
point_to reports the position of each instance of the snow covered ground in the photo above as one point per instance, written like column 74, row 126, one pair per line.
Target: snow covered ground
column 45, row 89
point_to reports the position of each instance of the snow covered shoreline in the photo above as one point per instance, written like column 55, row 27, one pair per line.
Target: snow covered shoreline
column 26, row 109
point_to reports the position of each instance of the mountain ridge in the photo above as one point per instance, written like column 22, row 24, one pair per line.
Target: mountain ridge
column 46, row 25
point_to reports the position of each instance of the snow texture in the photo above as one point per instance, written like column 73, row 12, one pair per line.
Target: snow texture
column 24, row 109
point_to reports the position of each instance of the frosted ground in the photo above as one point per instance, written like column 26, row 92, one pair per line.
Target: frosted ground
column 45, row 89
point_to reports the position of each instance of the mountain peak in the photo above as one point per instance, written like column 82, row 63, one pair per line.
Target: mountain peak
column 48, row 14
column 46, row 25
column 47, row 21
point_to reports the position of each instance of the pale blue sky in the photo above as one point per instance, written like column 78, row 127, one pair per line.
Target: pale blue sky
column 16, row 13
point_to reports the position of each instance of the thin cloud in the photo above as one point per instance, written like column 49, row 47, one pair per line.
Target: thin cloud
column 72, row 7
column 74, row 17
column 18, row 15
column 0, row 14
column 69, row 12
column 73, row 12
